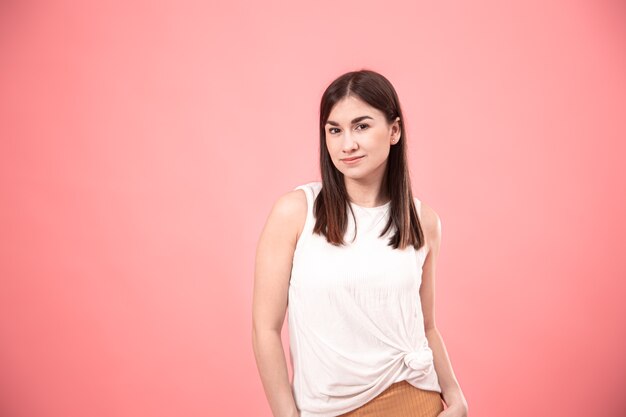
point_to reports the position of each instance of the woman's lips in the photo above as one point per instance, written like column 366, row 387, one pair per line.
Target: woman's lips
column 352, row 161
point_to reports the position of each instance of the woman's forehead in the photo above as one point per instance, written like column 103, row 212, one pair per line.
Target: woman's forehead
column 350, row 108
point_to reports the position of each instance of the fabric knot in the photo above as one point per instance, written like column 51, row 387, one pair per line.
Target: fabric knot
column 420, row 359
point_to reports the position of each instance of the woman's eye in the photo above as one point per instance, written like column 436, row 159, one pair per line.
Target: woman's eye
column 332, row 129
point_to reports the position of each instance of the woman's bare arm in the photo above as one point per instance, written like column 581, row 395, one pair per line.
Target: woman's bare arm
column 450, row 388
column 274, row 257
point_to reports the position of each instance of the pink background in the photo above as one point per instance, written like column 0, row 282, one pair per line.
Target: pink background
column 144, row 143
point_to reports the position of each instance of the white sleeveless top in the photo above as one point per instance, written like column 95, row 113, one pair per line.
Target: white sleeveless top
column 355, row 316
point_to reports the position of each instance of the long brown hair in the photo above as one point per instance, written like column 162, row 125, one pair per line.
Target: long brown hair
column 332, row 202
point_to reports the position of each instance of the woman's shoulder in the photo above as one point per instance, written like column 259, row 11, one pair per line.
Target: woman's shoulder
column 313, row 186
column 429, row 219
column 294, row 201
column 292, row 206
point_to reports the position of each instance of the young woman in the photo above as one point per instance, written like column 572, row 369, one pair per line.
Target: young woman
column 352, row 259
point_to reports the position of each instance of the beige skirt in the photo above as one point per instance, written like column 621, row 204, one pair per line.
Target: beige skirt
column 401, row 400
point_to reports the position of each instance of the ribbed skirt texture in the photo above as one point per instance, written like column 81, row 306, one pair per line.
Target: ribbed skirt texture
column 401, row 400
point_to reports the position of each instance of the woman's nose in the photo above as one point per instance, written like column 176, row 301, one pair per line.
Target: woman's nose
column 348, row 142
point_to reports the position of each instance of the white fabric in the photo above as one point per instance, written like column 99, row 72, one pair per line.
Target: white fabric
column 355, row 316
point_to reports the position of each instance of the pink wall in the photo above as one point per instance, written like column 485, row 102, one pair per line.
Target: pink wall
column 142, row 145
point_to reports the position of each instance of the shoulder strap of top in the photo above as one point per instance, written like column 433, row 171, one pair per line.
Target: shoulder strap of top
column 311, row 190
column 423, row 251
column 418, row 207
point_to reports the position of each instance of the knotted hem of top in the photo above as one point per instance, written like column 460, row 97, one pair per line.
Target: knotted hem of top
column 420, row 360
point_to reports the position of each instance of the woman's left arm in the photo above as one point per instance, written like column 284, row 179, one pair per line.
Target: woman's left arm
column 450, row 388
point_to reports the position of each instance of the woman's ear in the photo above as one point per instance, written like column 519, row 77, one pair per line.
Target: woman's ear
column 396, row 136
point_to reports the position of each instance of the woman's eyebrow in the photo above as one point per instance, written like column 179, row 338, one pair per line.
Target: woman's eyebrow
column 355, row 120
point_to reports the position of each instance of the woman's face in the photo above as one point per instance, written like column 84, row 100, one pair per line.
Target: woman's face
column 356, row 129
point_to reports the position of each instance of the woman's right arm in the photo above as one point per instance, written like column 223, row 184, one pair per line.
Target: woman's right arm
column 274, row 257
